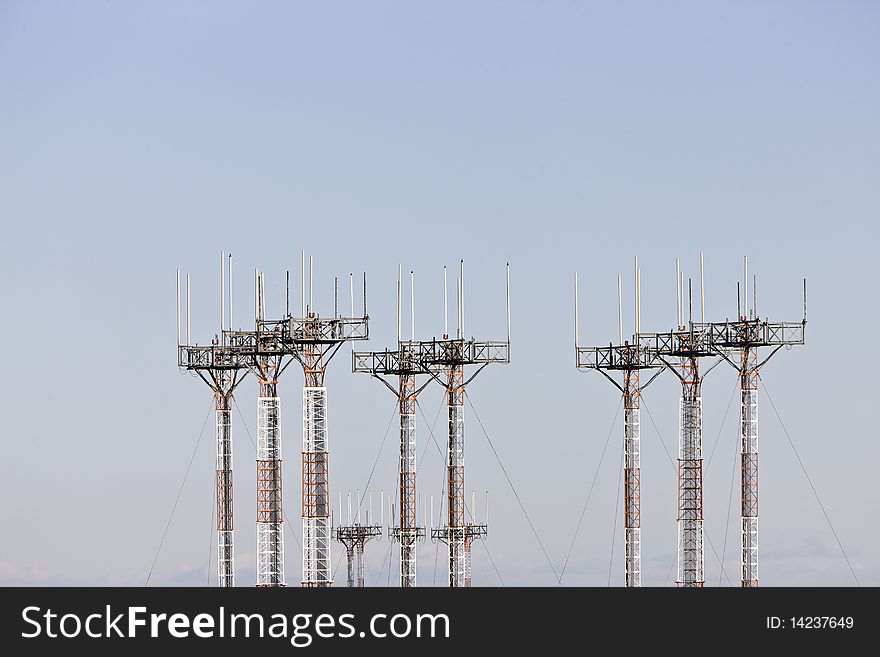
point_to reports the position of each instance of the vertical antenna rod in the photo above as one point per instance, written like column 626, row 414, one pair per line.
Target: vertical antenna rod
column 702, row 292
column 677, row 293
column 445, row 306
column 458, row 333
column 638, row 302
column 461, row 309
column 507, row 290
column 576, row 313
column 187, row 309
column 230, row 292
column 636, row 297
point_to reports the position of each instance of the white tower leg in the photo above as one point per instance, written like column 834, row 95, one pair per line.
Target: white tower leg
column 407, row 473
column 459, row 566
column 270, row 537
column 632, row 479
column 690, row 482
column 223, row 482
column 315, row 489
column 749, row 459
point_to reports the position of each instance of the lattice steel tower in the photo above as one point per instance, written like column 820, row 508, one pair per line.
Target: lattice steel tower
column 317, row 340
column 453, row 355
column 630, row 358
column 689, row 342
column 222, row 368
column 268, row 354
column 406, row 363
column 743, row 338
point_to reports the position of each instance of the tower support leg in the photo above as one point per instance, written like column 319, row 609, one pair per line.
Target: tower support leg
column 690, row 478
column 359, row 551
column 270, row 537
column 407, row 474
column 315, row 489
column 349, row 553
column 632, row 478
column 223, row 483
column 749, row 469
column 459, row 565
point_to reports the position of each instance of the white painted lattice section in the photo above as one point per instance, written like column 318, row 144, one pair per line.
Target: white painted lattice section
column 408, row 532
column 690, row 492
column 749, row 473
column 225, row 549
column 315, row 492
column 632, row 488
column 459, row 562
column 270, row 535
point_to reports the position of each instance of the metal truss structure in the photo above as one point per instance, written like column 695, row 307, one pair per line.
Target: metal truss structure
column 222, row 368
column 744, row 338
column 453, row 355
column 629, row 358
column 316, row 340
column 406, row 364
column 687, row 345
column 726, row 340
column 434, row 358
column 312, row 341
column 354, row 538
column 267, row 355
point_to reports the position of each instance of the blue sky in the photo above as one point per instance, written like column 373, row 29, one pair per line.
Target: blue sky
column 557, row 136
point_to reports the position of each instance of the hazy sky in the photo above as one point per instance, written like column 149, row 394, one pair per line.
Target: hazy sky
column 136, row 138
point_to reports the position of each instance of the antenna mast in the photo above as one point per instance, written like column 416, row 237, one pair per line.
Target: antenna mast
column 629, row 359
column 222, row 368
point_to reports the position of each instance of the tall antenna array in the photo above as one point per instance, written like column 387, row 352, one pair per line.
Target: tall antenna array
column 630, row 358
column 680, row 351
column 268, row 353
column 738, row 343
column 688, row 343
column 317, row 340
column 406, row 363
column 222, row 368
column 354, row 536
column 433, row 358
column 453, row 355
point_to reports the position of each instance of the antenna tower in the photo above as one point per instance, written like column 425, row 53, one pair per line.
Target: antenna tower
column 222, row 368
column 453, row 355
column 317, row 339
column 629, row 358
column 743, row 338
